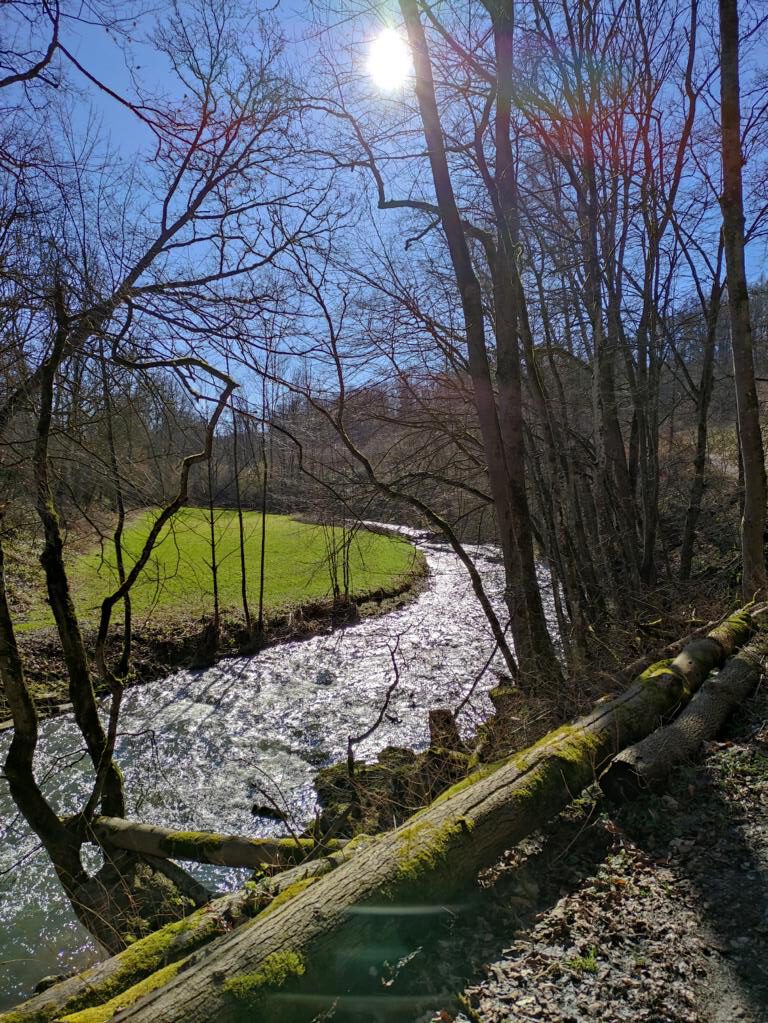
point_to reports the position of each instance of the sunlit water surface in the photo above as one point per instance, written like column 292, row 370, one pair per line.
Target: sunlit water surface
column 197, row 746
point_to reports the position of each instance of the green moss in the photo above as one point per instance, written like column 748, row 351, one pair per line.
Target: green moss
column 572, row 756
column 736, row 629
column 529, row 783
column 569, row 742
column 105, row 1012
column 666, row 685
column 655, row 670
column 746, row 764
column 740, row 619
column 356, row 842
column 144, row 959
column 471, row 779
column 501, row 691
column 273, row 972
column 300, row 848
column 583, row 964
column 663, row 685
column 425, row 845
column 287, row 894
column 191, row 844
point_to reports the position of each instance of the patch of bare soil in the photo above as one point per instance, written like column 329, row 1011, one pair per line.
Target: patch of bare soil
column 657, row 911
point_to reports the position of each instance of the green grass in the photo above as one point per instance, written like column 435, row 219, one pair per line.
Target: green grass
column 176, row 582
column 583, row 964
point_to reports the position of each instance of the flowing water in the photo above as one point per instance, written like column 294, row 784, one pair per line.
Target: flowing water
column 199, row 748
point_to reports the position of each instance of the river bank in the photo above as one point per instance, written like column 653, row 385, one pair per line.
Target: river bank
column 186, row 641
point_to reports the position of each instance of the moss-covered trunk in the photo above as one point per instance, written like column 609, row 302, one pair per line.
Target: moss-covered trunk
column 149, row 961
column 205, row 846
column 254, row 972
column 647, row 764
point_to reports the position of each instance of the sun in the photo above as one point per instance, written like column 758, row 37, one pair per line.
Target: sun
column 389, row 61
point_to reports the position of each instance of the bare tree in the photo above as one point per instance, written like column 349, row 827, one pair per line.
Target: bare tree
column 732, row 204
column 142, row 300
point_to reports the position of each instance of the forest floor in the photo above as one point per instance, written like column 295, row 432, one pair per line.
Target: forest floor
column 651, row 912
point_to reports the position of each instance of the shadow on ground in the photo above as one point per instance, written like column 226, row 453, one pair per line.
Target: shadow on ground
column 717, row 844
column 413, row 962
column 672, row 925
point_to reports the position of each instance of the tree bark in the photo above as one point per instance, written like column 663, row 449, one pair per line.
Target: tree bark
column 117, row 536
column 212, row 545
column 59, row 596
column 647, row 764
column 253, row 973
column 748, row 413
column 533, row 646
column 204, row 846
column 61, row 845
column 703, row 398
column 173, row 943
column 128, row 893
column 511, row 319
column 240, row 523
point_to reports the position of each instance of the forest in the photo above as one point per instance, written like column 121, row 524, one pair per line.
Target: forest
column 383, row 511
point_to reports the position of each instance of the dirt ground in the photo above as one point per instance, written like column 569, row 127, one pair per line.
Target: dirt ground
column 652, row 912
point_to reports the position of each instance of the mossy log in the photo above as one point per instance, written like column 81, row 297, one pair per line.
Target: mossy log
column 83, row 998
column 205, row 846
column 315, row 937
column 647, row 764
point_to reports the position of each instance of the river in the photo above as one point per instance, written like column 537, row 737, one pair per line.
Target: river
column 196, row 747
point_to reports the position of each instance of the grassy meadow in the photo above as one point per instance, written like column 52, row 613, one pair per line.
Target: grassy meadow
column 177, row 583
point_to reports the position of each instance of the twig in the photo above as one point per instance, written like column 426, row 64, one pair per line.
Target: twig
column 353, row 740
column 478, row 677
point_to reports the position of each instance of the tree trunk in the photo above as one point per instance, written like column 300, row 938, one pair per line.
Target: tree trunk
column 57, row 583
column 173, row 943
column 703, row 398
column 647, row 764
column 214, row 560
column 253, row 973
column 117, row 537
column 748, row 413
column 264, row 484
column 240, row 524
column 612, row 460
column 131, row 896
column 204, row 846
column 533, row 646
column 510, row 318
column 61, row 845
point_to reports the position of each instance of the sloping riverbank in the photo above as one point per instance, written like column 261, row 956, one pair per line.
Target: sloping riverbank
column 185, row 642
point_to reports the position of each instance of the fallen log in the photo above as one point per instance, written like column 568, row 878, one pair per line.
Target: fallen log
column 252, row 973
column 150, row 957
column 646, row 765
column 630, row 671
column 206, row 846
